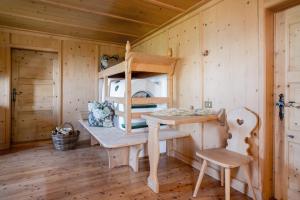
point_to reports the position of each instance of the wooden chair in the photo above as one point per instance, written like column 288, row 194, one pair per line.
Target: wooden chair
column 241, row 123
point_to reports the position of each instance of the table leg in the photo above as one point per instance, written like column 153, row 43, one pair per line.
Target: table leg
column 153, row 152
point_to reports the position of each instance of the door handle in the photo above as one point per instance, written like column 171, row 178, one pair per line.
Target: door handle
column 14, row 94
column 291, row 136
column 281, row 106
column 292, row 104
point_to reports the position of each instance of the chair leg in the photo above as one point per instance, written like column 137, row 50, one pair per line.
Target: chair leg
column 227, row 183
column 201, row 174
column 222, row 176
column 247, row 174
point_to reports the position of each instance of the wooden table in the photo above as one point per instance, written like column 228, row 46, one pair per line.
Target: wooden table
column 153, row 139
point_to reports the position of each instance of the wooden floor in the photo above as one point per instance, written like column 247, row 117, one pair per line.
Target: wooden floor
column 39, row 172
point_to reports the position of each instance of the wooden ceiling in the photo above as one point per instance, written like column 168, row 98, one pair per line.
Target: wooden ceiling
column 105, row 20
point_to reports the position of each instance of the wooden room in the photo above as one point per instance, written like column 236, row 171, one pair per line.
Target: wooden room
column 149, row 99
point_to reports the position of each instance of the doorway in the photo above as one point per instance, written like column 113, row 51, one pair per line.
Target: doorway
column 287, row 111
column 35, row 94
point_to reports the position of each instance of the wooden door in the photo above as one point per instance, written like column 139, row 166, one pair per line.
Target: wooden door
column 287, row 82
column 34, row 95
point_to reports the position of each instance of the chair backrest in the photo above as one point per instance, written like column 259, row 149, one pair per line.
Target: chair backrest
column 241, row 123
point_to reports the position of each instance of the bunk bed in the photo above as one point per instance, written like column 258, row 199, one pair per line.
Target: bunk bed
column 123, row 146
column 138, row 65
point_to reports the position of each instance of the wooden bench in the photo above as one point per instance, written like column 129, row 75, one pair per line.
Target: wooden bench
column 124, row 149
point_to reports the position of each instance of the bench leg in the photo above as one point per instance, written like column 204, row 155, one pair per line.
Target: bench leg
column 118, row 156
column 222, row 175
column 93, row 141
column 134, row 152
column 171, row 147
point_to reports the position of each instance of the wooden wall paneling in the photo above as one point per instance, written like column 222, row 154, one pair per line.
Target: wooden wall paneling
column 4, row 40
column 184, row 42
column 58, row 81
column 231, row 68
column 157, row 45
column 11, row 38
column 4, row 90
column 210, row 40
column 57, row 88
column 80, row 76
column 111, row 50
column 2, row 126
column 34, row 42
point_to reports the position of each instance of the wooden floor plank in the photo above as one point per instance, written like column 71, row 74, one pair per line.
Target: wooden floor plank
column 37, row 171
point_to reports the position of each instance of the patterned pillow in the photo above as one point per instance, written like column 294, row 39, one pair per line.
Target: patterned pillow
column 101, row 114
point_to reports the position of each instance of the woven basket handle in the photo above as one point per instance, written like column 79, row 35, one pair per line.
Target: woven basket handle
column 69, row 124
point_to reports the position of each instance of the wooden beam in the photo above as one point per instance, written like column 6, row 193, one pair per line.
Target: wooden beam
column 137, row 115
column 165, row 5
column 55, row 35
column 119, row 100
column 63, row 5
column 153, row 100
column 66, row 24
column 116, row 69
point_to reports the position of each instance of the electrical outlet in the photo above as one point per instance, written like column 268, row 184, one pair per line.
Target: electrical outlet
column 208, row 104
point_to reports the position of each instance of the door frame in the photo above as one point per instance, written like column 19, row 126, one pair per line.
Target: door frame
column 9, row 71
column 269, row 42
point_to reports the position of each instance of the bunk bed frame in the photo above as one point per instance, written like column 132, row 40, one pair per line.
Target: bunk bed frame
column 123, row 147
column 138, row 65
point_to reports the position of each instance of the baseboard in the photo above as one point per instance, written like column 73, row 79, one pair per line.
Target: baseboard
column 235, row 183
column 4, row 146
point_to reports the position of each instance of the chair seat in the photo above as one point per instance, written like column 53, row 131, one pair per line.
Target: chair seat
column 224, row 157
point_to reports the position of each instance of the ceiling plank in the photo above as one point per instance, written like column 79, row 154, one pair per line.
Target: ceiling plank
column 165, row 5
column 186, row 12
column 183, row 4
column 133, row 9
column 61, row 30
column 97, row 12
column 36, row 9
column 103, row 20
column 66, row 24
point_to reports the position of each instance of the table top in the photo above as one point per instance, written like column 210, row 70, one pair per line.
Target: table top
column 176, row 120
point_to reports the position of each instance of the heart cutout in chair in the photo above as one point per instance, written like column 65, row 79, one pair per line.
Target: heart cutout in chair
column 240, row 121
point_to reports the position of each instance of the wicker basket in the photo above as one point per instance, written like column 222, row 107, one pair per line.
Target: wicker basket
column 65, row 141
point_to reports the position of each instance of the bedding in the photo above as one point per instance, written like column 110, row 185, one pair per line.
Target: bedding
column 101, row 114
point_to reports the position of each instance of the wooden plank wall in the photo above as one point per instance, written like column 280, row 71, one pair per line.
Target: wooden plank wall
column 79, row 78
column 4, row 92
column 78, row 60
column 229, row 76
